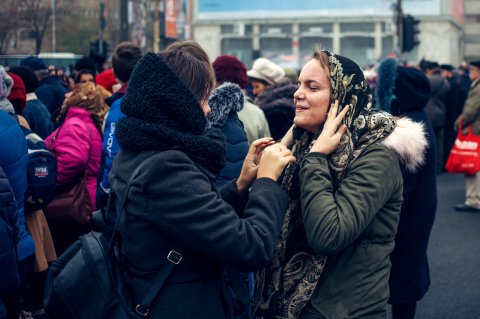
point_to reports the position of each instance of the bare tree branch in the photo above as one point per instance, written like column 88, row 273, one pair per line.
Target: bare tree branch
column 37, row 16
column 8, row 23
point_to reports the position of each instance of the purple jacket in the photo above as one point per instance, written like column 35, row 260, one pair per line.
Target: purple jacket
column 78, row 149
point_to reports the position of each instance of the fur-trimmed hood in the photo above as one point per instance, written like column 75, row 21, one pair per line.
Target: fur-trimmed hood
column 409, row 142
column 225, row 99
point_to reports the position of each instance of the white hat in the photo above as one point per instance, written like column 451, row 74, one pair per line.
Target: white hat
column 266, row 70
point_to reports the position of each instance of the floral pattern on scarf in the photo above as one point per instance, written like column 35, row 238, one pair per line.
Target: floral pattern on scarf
column 285, row 287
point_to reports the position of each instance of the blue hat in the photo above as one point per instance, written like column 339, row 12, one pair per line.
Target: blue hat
column 35, row 63
column 475, row 63
column 401, row 89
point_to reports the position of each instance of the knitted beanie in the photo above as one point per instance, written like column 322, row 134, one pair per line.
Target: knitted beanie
column 33, row 62
column 230, row 69
column 28, row 76
column 106, row 79
column 17, row 95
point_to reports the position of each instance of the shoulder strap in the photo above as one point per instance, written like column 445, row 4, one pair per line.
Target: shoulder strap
column 173, row 258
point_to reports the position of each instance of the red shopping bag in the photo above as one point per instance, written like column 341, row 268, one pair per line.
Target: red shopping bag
column 465, row 154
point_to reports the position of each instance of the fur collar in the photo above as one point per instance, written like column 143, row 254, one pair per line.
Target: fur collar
column 409, row 143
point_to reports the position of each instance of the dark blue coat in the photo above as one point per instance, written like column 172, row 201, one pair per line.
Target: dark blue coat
column 38, row 118
column 410, row 277
column 8, row 239
column 237, row 149
column 14, row 161
column 52, row 93
column 110, row 146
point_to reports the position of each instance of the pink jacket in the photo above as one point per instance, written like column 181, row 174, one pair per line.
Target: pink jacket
column 77, row 147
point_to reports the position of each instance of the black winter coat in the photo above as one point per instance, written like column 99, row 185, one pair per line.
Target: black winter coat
column 175, row 200
column 409, row 276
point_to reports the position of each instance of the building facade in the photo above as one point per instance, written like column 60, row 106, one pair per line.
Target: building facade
column 287, row 31
column 472, row 30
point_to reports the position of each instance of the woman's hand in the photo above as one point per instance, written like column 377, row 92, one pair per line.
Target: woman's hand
column 332, row 131
column 251, row 162
column 273, row 161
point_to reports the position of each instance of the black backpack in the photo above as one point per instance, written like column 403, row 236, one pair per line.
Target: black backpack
column 41, row 174
column 88, row 280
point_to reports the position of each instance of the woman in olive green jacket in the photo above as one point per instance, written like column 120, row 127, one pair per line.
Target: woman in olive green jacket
column 332, row 259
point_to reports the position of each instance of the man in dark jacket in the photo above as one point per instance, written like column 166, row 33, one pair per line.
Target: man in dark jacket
column 409, row 277
column 124, row 59
column 455, row 100
column 436, row 108
column 50, row 91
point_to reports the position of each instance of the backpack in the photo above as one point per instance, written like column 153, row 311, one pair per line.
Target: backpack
column 88, row 280
column 41, row 173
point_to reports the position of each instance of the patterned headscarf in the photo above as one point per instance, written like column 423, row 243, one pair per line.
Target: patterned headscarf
column 287, row 286
column 88, row 97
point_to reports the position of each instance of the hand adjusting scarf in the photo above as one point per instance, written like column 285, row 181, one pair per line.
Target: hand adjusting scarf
column 283, row 289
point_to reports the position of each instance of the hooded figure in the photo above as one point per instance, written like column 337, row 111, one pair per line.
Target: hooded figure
column 225, row 103
column 404, row 92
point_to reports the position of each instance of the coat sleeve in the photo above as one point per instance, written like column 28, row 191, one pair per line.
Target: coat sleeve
column 471, row 107
column 71, row 148
column 333, row 220
column 194, row 213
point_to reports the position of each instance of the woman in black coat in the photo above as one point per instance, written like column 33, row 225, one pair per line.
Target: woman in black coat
column 175, row 200
column 404, row 92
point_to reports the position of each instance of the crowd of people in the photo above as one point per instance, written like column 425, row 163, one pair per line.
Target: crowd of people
column 318, row 194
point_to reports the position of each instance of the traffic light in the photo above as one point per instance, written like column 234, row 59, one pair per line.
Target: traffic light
column 95, row 54
column 409, row 33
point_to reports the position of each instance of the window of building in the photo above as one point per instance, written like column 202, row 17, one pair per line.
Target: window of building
column 279, row 50
column 276, row 29
column 317, row 28
column 359, row 49
column 241, row 48
column 357, row 27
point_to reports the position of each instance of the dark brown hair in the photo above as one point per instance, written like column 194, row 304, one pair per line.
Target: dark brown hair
column 191, row 64
column 322, row 57
column 79, row 74
column 124, row 58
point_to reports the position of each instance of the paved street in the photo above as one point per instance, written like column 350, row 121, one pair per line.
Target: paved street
column 454, row 254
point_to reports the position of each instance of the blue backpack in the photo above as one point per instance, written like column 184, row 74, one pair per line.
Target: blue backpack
column 41, row 173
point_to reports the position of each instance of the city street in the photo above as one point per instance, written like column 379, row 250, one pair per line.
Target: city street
column 454, row 254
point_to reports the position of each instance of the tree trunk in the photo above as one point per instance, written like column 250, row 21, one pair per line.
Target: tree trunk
column 38, row 43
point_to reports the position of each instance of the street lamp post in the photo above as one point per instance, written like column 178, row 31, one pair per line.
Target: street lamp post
column 54, row 31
